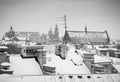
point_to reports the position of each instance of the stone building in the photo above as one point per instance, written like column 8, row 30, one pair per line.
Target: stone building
column 20, row 37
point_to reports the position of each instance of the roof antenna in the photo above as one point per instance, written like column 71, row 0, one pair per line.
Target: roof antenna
column 65, row 23
column 63, row 19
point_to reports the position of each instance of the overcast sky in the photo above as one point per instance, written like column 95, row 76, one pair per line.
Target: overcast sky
column 40, row 15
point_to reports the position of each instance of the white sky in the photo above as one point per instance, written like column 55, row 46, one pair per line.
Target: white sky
column 40, row 15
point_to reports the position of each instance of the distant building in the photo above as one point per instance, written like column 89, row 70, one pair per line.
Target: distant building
column 9, row 36
column 86, row 37
column 35, row 37
column 43, row 38
column 50, row 34
column 20, row 37
column 53, row 37
column 56, row 33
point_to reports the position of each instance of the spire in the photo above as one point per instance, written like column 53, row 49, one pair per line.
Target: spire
column 11, row 29
column 66, row 38
column 3, row 38
column 10, row 33
column 108, row 38
column 85, row 29
column 56, row 26
column 56, row 32
column 50, row 33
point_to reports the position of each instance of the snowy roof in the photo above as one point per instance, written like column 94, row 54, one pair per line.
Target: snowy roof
column 115, row 60
column 93, row 37
column 26, row 34
column 67, row 66
column 24, row 66
column 22, row 38
column 5, row 38
column 109, row 49
column 33, row 46
column 117, row 67
column 15, row 39
column 100, row 59
column 5, row 47
column 5, row 64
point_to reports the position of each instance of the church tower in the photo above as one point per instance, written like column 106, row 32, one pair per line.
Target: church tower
column 50, row 34
column 10, row 34
column 56, row 32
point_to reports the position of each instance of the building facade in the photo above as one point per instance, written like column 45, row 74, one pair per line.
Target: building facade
column 20, row 37
column 86, row 37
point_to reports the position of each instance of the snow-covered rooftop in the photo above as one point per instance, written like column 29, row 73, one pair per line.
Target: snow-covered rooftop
column 98, row 59
column 24, row 66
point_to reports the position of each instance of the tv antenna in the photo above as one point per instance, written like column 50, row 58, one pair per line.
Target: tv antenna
column 63, row 19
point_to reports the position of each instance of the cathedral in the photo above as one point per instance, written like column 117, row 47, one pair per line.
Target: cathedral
column 53, row 36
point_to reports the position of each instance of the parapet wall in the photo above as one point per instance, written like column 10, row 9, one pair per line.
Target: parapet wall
column 61, row 78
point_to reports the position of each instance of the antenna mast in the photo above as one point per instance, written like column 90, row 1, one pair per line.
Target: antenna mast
column 65, row 22
column 63, row 19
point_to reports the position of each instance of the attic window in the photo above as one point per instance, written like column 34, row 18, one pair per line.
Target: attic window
column 89, row 77
column 71, row 77
column 79, row 77
column 98, row 77
column 60, row 77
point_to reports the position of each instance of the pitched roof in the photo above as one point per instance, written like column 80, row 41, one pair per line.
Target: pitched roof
column 26, row 34
column 94, row 37
column 66, row 38
column 23, row 38
column 6, row 38
column 15, row 39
